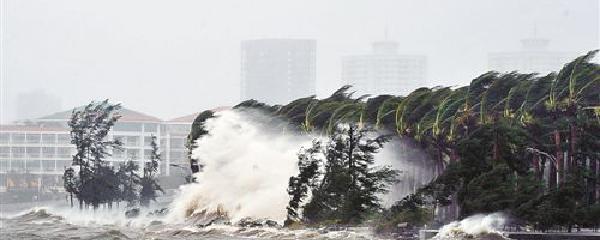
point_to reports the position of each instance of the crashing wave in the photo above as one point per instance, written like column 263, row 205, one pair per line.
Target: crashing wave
column 245, row 174
column 483, row 227
column 38, row 213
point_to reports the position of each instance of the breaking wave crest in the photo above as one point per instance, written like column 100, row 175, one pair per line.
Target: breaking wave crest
column 480, row 226
column 246, row 170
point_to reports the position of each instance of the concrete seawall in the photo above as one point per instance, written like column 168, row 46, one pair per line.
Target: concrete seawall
column 428, row 234
column 553, row 236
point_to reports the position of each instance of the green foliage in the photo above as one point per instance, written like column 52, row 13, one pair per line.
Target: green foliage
column 197, row 131
column 95, row 182
column 519, row 143
column 350, row 185
column 308, row 166
column 129, row 182
column 148, row 182
column 91, row 179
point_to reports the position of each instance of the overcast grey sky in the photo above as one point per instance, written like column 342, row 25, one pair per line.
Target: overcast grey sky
column 172, row 58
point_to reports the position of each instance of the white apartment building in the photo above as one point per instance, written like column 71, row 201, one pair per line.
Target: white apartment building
column 384, row 71
column 42, row 148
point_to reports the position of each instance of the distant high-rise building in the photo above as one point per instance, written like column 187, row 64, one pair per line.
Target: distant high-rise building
column 276, row 71
column 533, row 57
column 384, row 71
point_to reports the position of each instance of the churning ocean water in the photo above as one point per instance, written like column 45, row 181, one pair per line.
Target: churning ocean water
column 66, row 223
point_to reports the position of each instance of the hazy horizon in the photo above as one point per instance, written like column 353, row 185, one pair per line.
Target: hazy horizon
column 170, row 60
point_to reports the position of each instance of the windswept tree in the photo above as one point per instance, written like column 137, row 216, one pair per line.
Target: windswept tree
column 466, row 145
column 70, row 183
column 129, row 181
column 309, row 162
column 350, row 185
column 90, row 126
column 148, row 181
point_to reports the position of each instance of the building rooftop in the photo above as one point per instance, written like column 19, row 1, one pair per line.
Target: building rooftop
column 191, row 117
column 127, row 115
column 32, row 128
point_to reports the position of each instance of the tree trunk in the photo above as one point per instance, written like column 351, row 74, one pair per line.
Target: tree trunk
column 572, row 145
column 552, row 176
column 536, row 167
column 440, row 167
column 453, row 155
column 495, row 154
column 559, row 158
column 596, row 185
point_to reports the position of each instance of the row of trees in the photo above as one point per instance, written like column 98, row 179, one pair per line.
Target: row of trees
column 521, row 143
column 91, row 179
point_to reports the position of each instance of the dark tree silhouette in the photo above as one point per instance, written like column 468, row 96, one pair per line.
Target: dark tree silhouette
column 90, row 126
column 350, row 186
column 148, row 181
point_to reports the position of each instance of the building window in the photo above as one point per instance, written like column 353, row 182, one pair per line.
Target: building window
column 120, row 139
column 33, row 152
column 63, row 152
column 128, row 127
column 32, row 138
column 147, row 141
column 180, row 128
column 64, row 138
column 17, row 165
column 48, row 138
column 177, row 143
column 133, row 154
column 48, row 152
column 48, row 165
column 4, row 166
column 4, row 152
column 132, row 141
column 18, row 138
column 147, row 154
column 18, row 152
column 4, row 137
column 150, row 127
column 162, row 169
column 61, row 165
column 33, row 165
column 177, row 156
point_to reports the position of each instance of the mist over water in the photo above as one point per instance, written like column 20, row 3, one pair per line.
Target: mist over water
column 411, row 174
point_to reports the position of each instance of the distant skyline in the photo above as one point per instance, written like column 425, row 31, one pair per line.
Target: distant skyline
column 277, row 70
column 170, row 59
column 384, row 71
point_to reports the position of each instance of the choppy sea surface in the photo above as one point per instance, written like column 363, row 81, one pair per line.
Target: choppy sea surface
column 60, row 222
column 56, row 220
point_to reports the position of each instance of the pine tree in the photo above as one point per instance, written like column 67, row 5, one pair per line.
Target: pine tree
column 69, row 183
column 351, row 184
column 309, row 161
column 90, row 126
column 148, row 181
column 129, row 182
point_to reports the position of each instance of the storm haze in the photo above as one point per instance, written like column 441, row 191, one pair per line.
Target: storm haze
column 170, row 59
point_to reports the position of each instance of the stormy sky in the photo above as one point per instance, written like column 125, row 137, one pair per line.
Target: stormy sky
column 173, row 58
